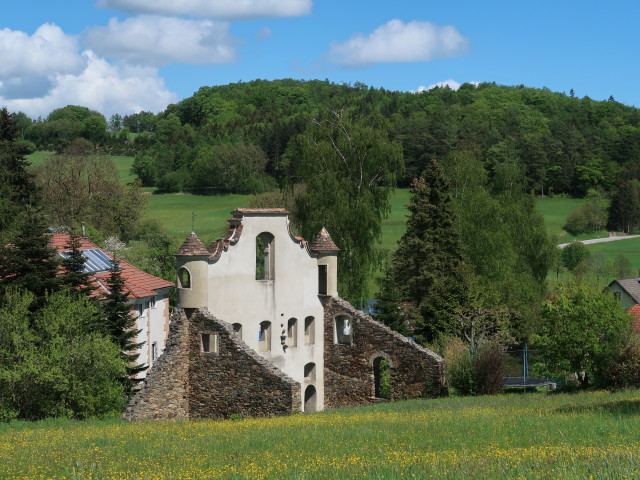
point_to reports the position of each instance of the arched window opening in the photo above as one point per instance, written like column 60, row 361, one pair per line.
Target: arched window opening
column 382, row 378
column 310, row 399
column 264, row 337
column 309, row 331
column 322, row 279
column 184, row 278
column 237, row 329
column 343, row 330
column 310, row 372
column 292, row 333
column 265, row 258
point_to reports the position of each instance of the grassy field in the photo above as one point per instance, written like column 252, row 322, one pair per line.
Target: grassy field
column 588, row 435
column 122, row 163
column 555, row 211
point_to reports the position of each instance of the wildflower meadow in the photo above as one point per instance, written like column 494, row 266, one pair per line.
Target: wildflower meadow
column 520, row 436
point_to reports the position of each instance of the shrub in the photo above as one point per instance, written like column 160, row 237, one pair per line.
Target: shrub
column 490, row 367
column 625, row 370
column 458, row 367
column 573, row 254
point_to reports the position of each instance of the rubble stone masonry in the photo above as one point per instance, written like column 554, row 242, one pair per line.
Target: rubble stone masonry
column 231, row 379
column 348, row 369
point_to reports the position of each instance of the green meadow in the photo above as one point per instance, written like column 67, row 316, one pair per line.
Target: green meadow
column 176, row 212
column 514, row 436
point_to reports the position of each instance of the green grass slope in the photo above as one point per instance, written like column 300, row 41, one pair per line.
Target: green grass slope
column 586, row 435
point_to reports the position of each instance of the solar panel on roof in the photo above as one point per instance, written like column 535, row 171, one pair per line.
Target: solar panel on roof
column 95, row 260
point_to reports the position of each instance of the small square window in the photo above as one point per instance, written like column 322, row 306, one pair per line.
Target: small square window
column 209, row 342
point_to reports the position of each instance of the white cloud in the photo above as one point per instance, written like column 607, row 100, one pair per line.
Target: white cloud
column 451, row 83
column 157, row 41
column 221, row 9
column 397, row 41
column 36, row 55
column 64, row 76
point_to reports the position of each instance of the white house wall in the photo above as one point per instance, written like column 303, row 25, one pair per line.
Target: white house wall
column 235, row 296
column 153, row 323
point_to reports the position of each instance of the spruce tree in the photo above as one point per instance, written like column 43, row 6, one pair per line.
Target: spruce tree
column 427, row 273
column 27, row 262
column 17, row 186
column 73, row 275
column 120, row 325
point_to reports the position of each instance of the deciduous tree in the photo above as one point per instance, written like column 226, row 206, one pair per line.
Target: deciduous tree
column 349, row 167
column 583, row 330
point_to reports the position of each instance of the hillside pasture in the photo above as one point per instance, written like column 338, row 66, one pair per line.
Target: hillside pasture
column 122, row 164
column 555, row 211
column 568, row 436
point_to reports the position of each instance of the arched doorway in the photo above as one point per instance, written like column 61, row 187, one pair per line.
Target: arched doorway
column 310, row 399
column 382, row 378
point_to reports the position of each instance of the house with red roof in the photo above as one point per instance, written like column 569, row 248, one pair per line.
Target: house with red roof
column 627, row 291
column 148, row 294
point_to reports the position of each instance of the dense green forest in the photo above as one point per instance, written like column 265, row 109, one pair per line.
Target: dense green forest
column 564, row 144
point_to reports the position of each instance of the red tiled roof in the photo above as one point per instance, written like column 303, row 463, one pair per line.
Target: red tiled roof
column 635, row 317
column 139, row 284
column 192, row 246
column 323, row 242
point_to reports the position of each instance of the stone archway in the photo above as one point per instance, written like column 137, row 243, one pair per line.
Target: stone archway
column 310, row 399
column 381, row 364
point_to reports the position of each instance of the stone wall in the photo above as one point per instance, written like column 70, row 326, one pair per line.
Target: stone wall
column 189, row 383
column 348, row 370
column 163, row 394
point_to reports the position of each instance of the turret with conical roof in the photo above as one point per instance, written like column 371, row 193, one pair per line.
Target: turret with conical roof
column 192, row 259
column 327, row 253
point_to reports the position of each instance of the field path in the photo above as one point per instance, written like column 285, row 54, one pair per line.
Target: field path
column 601, row 240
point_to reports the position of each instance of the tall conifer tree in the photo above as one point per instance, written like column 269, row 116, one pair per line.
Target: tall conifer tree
column 120, row 325
column 427, row 271
column 74, row 275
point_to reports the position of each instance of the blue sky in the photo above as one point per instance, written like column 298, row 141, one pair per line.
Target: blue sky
column 123, row 56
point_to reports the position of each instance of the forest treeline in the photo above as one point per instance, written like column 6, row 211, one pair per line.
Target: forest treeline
column 237, row 138
column 564, row 144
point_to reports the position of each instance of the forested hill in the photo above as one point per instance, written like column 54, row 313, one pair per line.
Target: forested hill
column 563, row 144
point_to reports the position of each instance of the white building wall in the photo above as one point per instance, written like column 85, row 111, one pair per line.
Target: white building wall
column 153, row 322
column 235, row 296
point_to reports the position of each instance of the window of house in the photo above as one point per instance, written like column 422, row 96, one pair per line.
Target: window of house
column 343, row 330
column 237, row 329
column 322, row 279
column 154, row 351
column 310, row 372
column 292, row 333
column 209, row 342
column 309, row 331
column 142, row 308
column 184, row 278
column 264, row 337
column 265, row 258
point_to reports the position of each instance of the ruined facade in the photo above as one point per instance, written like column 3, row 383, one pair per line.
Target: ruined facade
column 261, row 330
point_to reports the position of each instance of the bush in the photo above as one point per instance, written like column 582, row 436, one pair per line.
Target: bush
column 479, row 374
column 625, row 370
column 490, row 367
column 588, row 217
column 458, row 367
column 574, row 254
